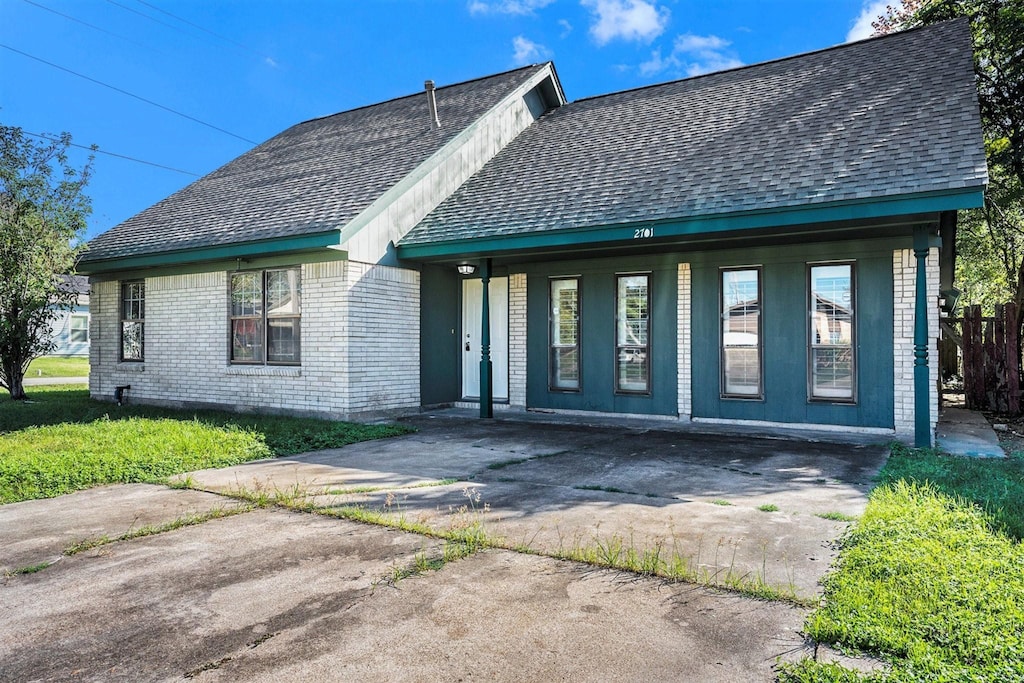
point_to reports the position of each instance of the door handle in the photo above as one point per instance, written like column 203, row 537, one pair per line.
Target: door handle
column 467, row 346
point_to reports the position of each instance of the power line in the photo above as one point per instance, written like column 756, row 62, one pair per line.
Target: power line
column 85, row 23
column 112, row 154
column 204, row 30
column 132, row 95
column 147, row 16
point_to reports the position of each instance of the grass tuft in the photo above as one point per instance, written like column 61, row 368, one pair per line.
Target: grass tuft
column 768, row 507
column 810, row 671
column 836, row 516
column 606, row 489
column 154, row 529
column 32, row 569
column 719, row 501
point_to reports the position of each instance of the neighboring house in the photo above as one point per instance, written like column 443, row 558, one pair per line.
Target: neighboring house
column 739, row 247
column 70, row 329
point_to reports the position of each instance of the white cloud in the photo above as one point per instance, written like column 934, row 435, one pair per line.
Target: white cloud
column 525, row 51
column 626, row 20
column 566, row 28
column 691, row 43
column 656, row 64
column 692, row 55
column 869, row 11
column 520, row 7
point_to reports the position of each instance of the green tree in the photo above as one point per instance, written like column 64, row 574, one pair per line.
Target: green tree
column 990, row 240
column 43, row 211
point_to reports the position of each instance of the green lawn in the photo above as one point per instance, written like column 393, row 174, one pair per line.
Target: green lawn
column 931, row 578
column 58, row 367
column 61, row 441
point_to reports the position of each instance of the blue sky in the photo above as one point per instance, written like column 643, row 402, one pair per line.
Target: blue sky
column 251, row 68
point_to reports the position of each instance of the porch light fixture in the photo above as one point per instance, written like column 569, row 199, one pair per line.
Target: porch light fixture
column 466, row 269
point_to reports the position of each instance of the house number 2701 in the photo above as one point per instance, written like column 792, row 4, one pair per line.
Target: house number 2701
column 641, row 233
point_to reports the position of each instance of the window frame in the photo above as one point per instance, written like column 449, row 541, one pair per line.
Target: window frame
column 579, row 335
column 72, row 329
column 723, row 393
column 809, row 293
column 141, row 321
column 649, row 275
column 264, row 318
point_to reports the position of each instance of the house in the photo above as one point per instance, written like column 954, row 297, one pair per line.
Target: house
column 764, row 245
column 69, row 330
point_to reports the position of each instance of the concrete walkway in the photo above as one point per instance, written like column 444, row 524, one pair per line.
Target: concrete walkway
column 44, row 381
column 967, row 432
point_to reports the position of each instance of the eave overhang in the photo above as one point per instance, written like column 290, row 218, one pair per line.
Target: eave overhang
column 841, row 214
column 238, row 250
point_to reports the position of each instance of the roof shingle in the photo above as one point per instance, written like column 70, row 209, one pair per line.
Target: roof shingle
column 314, row 177
column 888, row 116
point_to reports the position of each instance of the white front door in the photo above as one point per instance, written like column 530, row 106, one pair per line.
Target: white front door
column 472, row 307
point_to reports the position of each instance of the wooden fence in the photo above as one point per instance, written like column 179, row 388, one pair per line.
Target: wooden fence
column 991, row 359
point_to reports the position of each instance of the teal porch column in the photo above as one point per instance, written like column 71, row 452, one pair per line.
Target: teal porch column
column 486, row 383
column 922, row 383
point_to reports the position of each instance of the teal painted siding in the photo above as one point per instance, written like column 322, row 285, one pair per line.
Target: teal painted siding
column 440, row 318
column 597, row 320
column 785, row 322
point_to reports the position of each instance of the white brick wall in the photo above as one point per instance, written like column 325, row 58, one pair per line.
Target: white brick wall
column 904, row 273
column 517, row 340
column 683, row 333
column 382, row 339
column 360, row 344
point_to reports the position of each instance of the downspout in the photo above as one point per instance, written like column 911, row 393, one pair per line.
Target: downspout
column 922, row 388
column 486, row 384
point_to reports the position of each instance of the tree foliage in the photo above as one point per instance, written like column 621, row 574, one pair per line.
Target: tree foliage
column 43, row 211
column 991, row 239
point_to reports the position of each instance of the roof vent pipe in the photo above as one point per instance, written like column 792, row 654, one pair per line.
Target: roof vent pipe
column 432, row 103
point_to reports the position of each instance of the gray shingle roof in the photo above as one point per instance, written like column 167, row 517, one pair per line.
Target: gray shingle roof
column 314, row 177
column 882, row 117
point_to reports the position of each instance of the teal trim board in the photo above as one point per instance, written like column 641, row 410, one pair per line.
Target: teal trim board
column 832, row 212
column 228, row 251
column 486, row 385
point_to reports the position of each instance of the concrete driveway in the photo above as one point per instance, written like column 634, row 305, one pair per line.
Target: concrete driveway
column 569, row 489
column 267, row 594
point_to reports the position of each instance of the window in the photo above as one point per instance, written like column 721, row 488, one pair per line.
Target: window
column 133, row 320
column 79, row 328
column 564, row 367
column 831, row 332
column 265, row 314
column 632, row 334
column 741, row 333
